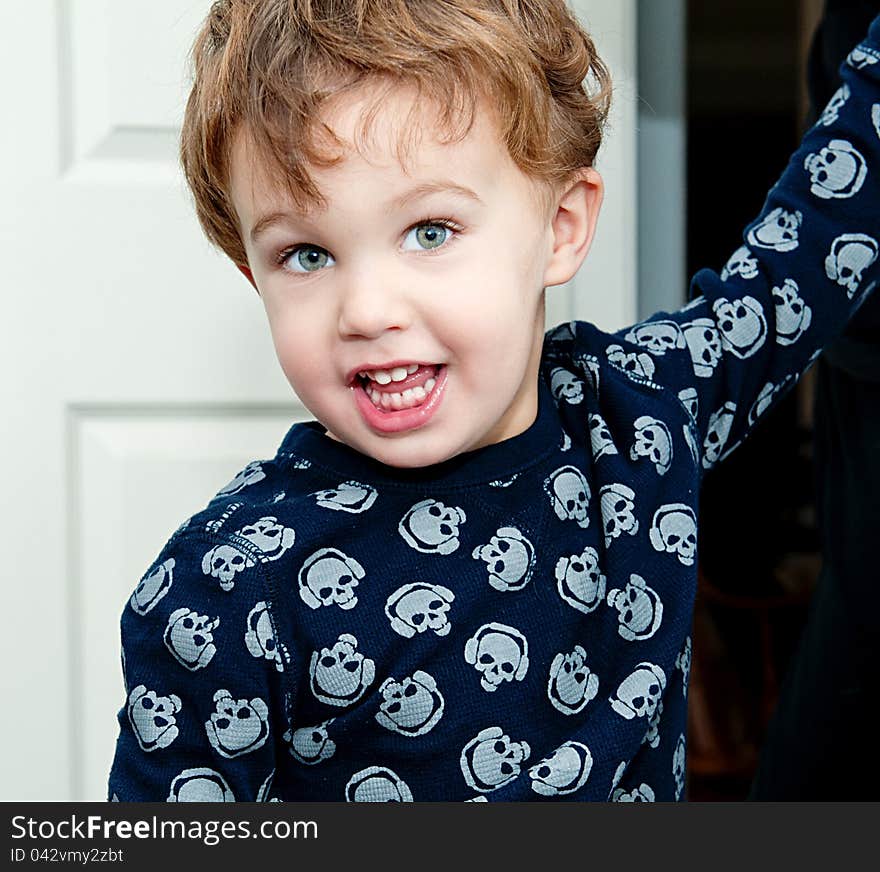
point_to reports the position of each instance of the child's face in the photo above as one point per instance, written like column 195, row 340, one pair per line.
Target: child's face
column 439, row 266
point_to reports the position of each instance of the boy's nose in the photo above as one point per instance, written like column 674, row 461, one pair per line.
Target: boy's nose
column 372, row 305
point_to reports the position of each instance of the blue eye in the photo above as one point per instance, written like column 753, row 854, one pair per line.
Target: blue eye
column 424, row 237
column 307, row 258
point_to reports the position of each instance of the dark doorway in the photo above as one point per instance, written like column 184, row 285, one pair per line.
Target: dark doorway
column 758, row 545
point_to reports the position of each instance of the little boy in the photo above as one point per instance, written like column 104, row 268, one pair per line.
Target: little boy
column 472, row 577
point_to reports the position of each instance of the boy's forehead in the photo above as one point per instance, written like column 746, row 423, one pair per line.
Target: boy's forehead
column 395, row 141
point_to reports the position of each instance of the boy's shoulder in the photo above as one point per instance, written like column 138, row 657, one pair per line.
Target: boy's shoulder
column 643, row 356
column 254, row 488
column 246, row 525
column 266, row 488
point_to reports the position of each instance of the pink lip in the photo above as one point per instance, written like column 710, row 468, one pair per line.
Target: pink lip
column 398, row 421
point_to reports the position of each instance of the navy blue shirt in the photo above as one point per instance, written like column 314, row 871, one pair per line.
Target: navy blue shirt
column 513, row 623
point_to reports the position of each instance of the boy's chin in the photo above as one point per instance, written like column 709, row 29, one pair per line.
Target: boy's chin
column 404, row 451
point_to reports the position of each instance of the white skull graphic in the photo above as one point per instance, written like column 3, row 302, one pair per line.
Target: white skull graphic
column 490, row 760
column 691, row 402
column 566, row 386
column 862, row 56
column 377, row 784
column 564, row 771
column 767, row 397
column 851, row 254
column 835, row 104
column 720, row 423
column 579, row 580
column 652, row 734
column 742, row 325
column 237, row 726
column 778, row 230
column 691, row 440
column 618, row 774
column 418, row 607
column 411, row 707
column 674, row 531
column 741, row 263
column 350, row 496
column 639, row 610
column 153, row 717
column 431, row 527
column 260, row 636
column 224, row 562
column 340, row 675
column 268, row 536
column 311, row 745
column 642, row 793
column 657, row 337
column 679, row 763
column 251, row 474
column 329, row 577
column 639, row 366
column 200, row 785
column 638, row 695
column 600, row 437
column 589, row 370
column 837, row 171
column 617, row 503
column 499, row 653
column 189, row 636
column 704, row 344
column 263, row 794
column 569, row 494
column 509, row 558
column 152, row 587
column 654, row 441
column 683, row 662
column 793, row 315
column 572, row 685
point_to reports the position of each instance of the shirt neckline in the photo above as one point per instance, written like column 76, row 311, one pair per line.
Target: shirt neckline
column 308, row 441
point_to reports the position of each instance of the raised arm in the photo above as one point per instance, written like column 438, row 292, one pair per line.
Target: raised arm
column 805, row 265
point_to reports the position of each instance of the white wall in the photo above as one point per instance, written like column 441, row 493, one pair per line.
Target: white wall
column 605, row 289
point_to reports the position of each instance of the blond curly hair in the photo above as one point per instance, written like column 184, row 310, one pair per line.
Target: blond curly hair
column 268, row 66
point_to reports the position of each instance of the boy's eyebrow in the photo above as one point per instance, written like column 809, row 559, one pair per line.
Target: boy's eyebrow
column 438, row 187
column 267, row 221
column 399, row 202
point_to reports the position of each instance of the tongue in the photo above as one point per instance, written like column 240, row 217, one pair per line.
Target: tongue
column 416, row 380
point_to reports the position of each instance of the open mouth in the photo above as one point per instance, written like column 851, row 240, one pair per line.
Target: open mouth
column 400, row 399
column 400, row 388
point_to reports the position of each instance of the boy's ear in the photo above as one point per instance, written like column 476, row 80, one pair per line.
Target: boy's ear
column 246, row 272
column 573, row 225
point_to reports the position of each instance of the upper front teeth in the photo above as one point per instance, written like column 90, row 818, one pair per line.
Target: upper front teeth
column 385, row 376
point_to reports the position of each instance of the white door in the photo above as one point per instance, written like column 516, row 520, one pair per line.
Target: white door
column 136, row 369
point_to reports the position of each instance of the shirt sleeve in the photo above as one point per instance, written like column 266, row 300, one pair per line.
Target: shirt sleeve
column 202, row 680
column 805, row 265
